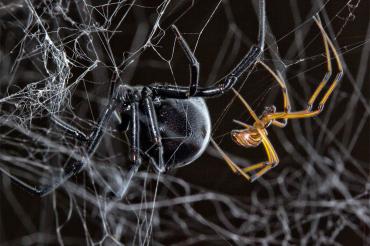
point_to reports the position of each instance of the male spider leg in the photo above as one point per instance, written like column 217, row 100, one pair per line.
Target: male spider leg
column 308, row 112
column 242, row 124
column 194, row 64
column 247, row 106
column 329, row 68
column 282, row 84
column 272, row 157
column 235, row 168
column 154, row 132
column 339, row 75
column 74, row 168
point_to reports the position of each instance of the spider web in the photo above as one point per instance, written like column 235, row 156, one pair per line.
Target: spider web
column 63, row 57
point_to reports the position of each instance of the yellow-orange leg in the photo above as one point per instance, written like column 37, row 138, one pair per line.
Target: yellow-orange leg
column 284, row 89
column 246, row 105
column 272, row 157
column 234, row 167
column 273, row 160
column 308, row 112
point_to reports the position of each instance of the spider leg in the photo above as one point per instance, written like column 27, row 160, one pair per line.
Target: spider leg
column 262, row 167
column 72, row 169
column 135, row 158
column 247, row 106
column 272, row 157
column 171, row 91
column 277, row 76
column 68, row 128
column 328, row 64
column 242, row 124
column 194, row 64
column 308, row 112
column 245, row 64
column 154, row 132
column 135, row 133
column 235, row 168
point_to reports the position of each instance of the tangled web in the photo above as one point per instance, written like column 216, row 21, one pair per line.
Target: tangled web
column 63, row 57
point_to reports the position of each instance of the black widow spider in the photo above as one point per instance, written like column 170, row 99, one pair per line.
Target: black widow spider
column 169, row 126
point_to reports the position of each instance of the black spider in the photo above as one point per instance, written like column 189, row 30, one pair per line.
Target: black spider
column 169, row 126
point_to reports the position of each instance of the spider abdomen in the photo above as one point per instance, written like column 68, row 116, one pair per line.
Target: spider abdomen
column 246, row 137
column 185, row 130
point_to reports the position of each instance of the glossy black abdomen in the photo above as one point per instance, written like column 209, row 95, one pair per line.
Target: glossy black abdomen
column 185, row 129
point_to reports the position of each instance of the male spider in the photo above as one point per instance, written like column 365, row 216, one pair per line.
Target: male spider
column 254, row 135
column 169, row 126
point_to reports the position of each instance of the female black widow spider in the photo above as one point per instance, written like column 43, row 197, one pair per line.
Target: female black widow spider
column 169, row 126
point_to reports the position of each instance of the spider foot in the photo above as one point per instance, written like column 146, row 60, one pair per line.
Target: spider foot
column 259, row 169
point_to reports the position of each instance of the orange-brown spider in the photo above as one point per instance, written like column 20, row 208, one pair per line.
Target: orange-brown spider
column 254, row 135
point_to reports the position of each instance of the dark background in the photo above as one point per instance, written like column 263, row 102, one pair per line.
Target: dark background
column 340, row 134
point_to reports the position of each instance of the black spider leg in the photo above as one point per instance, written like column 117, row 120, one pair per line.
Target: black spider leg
column 94, row 139
column 194, row 64
column 246, row 64
column 133, row 139
column 70, row 130
column 155, row 135
column 135, row 158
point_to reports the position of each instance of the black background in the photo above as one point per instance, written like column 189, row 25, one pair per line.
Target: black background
column 210, row 172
